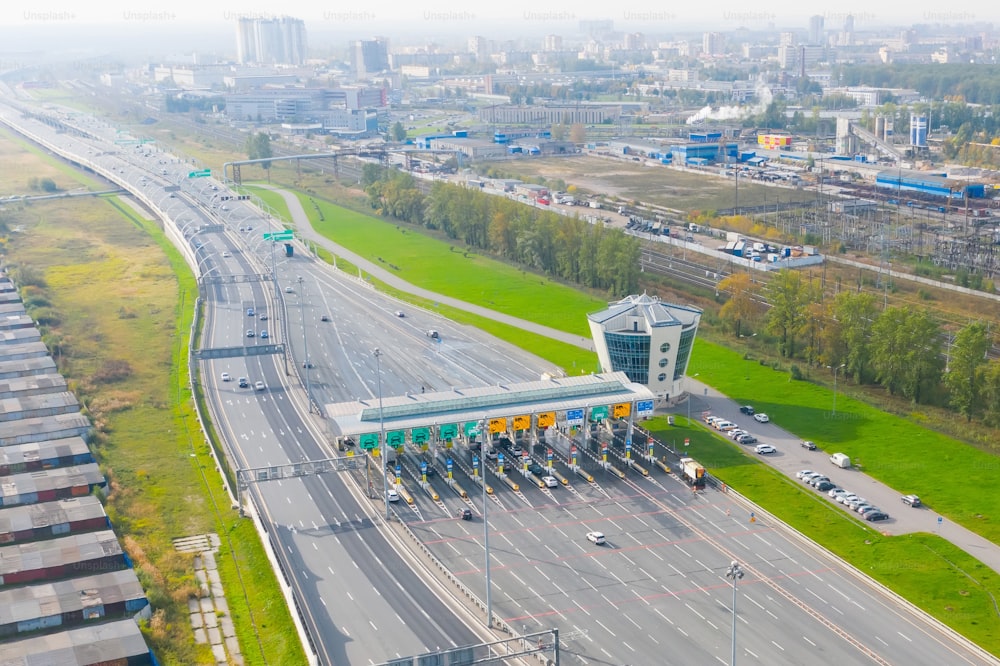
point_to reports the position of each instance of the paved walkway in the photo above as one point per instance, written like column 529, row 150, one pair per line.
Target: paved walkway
column 706, row 398
column 209, row 614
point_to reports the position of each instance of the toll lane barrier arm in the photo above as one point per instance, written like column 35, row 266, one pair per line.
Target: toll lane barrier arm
column 407, row 497
column 510, row 482
column 585, row 475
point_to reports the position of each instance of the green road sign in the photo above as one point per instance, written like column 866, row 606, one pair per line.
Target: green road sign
column 285, row 235
column 599, row 413
column 204, row 173
column 470, row 428
column 395, row 438
column 420, row 435
column 449, row 431
column 368, row 441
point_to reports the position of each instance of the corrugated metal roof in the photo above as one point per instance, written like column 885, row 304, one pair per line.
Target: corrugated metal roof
column 32, row 602
column 94, row 644
column 50, row 479
column 44, row 514
column 57, row 552
column 476, row 403
column 19, row 454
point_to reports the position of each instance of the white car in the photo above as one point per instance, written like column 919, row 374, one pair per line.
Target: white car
column 259, row 385
column 226, row 377
column 392, row 495
column 837, row 493
column 595, row 537
column 847, row 498
column 733, row 434
column 550, row 481
column 288, row 290
column 802, row 473
column 765, row 448
column 761, row 417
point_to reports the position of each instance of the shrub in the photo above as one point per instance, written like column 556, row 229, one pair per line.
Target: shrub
column 113, row 370
column 795, row 372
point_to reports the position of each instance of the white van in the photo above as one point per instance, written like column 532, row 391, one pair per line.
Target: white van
column 841, row 460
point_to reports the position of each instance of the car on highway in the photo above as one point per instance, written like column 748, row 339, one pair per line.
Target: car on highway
column 226, row 255
column 536, row 469
column 263, row 316
column 747, row 409
column 876, row 515
column 226, row 377
column 433, row 335
column 761, row 417
column 764, row 449
column 264, row 334
column 392, row 495
column 465, row 514
column 250, row 333
column 596, row 537
column 550, row 481
column 244, row 382
column 325, row 318
column 806, row 444
column 289, row 290
column 250, row 312
column 259, row 385
column 912, row 500
column 491, row 453
column 516, row 449
column 400, row 313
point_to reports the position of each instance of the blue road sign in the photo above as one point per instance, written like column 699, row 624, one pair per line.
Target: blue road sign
column 643, row 407
column 574, row 416
column 449, row 464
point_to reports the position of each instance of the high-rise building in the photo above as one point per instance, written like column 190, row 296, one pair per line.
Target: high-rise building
column 552, row 43
column 815, row 30
column 786, row 39
column 479, row 47
column 278, row 41
column 634, row 41
column 711, row 43
column 370, row 56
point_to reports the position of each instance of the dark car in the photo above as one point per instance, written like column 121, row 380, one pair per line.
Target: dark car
column 747, row 409
column 806, row 444
column 536, row 469
column 465, row 514
column 824, row 486
column 876, row 515
column 746, row 439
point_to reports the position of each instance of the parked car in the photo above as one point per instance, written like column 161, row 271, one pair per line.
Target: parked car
column 747, row 409
column 846, row 499
column 825, row 486
column 806, row 444
column 736, row 433
column 876, row 515
column 764, row 449
column 837, row 493
column 761, row 417
column 806, row 478
column 725, row 426
column 912, row 500
column 863, row 510
column 801, row 473
column 595, row 537
column 816, row 480
column 746, row 439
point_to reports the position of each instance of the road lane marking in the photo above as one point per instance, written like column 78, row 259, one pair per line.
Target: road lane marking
column 904, row 636
column 777, row 646
column 806, row 639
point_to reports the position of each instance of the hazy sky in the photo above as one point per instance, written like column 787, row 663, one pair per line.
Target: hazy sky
column 557, row 16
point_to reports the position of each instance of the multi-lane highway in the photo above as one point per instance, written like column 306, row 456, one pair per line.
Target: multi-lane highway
column 655, row 591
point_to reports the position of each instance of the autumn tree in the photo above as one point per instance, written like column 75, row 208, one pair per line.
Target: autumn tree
column 788, row 294
column 744, row 305
column 965, row 375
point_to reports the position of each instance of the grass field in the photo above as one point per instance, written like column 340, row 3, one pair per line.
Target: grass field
column 116, row 301
column 662, row 186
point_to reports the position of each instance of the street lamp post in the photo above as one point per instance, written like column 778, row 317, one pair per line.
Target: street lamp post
column 835, row 385
column 486, row 521
column 734, row 573
column 305, row 344
column 377, row 353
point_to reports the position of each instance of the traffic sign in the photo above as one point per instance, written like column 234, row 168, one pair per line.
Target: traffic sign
column 599, row 413
column 448, row 431
column 574, row 416
column 285, row 235
column 687, row 442
column 621, row 410
column 420, row 435
column 203, row 173
column 395, row 438
column 368, row 441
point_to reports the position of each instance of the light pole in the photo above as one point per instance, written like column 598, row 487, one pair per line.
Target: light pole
column 835, row 369
column 734, row 573
column 377, row 353
column 305, row 344
column 486, row 521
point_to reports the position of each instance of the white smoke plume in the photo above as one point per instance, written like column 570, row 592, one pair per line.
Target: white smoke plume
column 764, row 97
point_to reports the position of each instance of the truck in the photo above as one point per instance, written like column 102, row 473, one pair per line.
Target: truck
column 692, row 472
column 289, row 250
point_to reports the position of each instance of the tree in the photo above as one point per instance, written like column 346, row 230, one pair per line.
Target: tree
column 578, row 133
column 259, row 148
column 398, row 132
column 47, row 185
column 788, row 296
column 855, row 313
column 965, row 376
column 906, row 352
column 744, row 304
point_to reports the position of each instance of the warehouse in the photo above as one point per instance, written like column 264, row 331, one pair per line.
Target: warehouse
column 50, row 484
column 34, row 456
column 43, row 428
column 25, row 367
column 61, row 558
column 933, row 184
column 20, row 387
column 118, row 642
column 34, row 406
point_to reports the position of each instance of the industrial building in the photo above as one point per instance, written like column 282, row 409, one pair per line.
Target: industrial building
column 700, row 154
column 650, row 341
column 61, row 558
column 551, row 114
column 31, row 406
column 19, row 387
column 936, row 185
column 35, row 522
column 25, row 367
column 42, row 428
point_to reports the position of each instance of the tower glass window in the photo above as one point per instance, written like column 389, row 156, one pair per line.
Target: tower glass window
column 684, row 351
column 629, row 353
column 665, row 347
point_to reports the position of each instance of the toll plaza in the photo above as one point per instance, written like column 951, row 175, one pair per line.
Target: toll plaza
column 554, row 417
